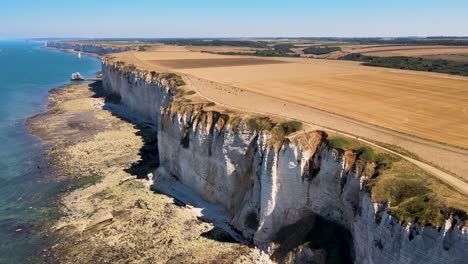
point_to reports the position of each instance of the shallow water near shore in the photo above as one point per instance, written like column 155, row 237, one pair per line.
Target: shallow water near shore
column 27, row 184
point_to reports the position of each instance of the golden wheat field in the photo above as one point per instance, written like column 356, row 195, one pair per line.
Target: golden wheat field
column 403, row 50
column 427, row 105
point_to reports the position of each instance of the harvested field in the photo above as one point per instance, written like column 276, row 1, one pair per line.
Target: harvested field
column 426, row 105
column 404, row 50
column 450, row 57
column 210, row 63
column 218, row 49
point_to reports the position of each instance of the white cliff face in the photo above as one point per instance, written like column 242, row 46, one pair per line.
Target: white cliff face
column 141, row 95
column 89, row 48
column 266, row 189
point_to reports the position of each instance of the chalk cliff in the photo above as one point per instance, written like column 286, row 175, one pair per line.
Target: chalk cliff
column 88, row 48
column 275, row 194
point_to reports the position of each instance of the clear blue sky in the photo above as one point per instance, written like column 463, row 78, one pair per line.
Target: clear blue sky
column 233, row 18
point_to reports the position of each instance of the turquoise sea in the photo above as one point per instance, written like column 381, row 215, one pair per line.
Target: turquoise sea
column 27, row 188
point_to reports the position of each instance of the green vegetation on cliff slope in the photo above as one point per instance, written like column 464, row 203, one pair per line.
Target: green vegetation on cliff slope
column 412, row 195
column 415, row 196
column 279, row 130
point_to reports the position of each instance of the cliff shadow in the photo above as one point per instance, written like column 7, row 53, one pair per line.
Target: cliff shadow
column 320, row 235
column 164, row 182
column 99, row 92
column 149, row 162
column 149, row 153
column 219, row 234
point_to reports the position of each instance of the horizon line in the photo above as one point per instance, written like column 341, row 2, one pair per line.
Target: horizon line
column 238, row 37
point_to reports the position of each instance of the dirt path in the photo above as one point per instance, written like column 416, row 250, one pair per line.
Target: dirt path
column 444, row 161
column 449, row 158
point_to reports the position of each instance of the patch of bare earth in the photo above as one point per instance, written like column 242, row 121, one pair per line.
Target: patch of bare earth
column 117, row 220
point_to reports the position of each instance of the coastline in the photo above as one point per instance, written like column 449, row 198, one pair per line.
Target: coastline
column 30, row 185
column 106, row 214
column 94, row 55
column 170, row 147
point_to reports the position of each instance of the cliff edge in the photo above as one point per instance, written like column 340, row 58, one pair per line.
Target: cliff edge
column 280, row 185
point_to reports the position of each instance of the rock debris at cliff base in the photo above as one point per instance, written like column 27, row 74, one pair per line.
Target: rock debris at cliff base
column 109, row 221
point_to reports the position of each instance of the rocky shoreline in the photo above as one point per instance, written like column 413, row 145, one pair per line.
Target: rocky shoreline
column 108, row 214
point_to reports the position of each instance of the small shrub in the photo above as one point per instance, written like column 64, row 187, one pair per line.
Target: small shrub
column 234, row 121
column 179, row 93
column 211, row 104
column 281, row 131
column 291, row 126
column 143, row 48
column 130, row 67
column 180, row 82
column 190, row 93
column 368, row 153
column 168, row 75
column 260, row 124
column 341, row 143
column 386, row 160
column 172, row 78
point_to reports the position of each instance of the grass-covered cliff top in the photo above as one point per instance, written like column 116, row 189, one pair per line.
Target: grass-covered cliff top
column 411, row 194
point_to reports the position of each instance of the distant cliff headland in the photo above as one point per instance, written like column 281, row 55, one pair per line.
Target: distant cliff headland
column 98, row 49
